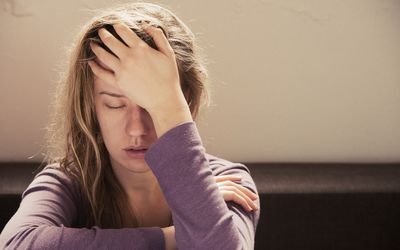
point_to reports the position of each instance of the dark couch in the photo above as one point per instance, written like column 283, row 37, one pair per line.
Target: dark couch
column 303, row 205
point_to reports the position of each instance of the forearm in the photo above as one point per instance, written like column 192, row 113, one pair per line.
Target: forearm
column 170, row 115
column 169, row 236
column 47, row 219
column 60, row 237
column 201, row 218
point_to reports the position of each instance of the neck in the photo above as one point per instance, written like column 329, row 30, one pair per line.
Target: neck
column 138, row 185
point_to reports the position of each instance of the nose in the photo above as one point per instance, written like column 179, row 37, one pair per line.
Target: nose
column 136, row 121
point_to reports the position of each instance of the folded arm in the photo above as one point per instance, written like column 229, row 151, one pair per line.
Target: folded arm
column 201, row 217
column 46, row 218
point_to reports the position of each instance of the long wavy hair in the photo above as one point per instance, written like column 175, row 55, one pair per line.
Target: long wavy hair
column 73, row 136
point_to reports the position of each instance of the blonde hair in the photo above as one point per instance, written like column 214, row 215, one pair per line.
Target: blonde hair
column 73, row 136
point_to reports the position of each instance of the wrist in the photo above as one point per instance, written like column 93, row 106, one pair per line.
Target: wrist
column 170, row 115
column 169, row 238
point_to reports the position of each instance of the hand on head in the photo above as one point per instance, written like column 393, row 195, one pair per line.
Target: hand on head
column 147, row 76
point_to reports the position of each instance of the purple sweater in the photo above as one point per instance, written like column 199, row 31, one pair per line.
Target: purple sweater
column 50, row 214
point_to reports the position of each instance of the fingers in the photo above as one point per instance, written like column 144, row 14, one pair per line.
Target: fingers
column 101, row 73
column 226, row 181
column 128, row 35
column 108, row 59
column 228, row 177
column 233, row 194
column 116, row 46
column 132, row 40
column 238, row 192
column 238, row 199
column 161, row 41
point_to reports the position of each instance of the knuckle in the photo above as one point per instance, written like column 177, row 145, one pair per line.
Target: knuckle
column 223, row 181
column 107, row 38
column 158, row 31
column 124, row 31
column 129, row 54
column 246, row 198
column 137, row 49
column 101, row 53
column 228, row 183
column 124, row 68
column 119, row 26
column 142, row 46
column 217, row 178
column 230, row 194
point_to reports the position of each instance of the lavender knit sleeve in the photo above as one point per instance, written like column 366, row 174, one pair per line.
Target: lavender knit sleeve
column 201, row 217
column 46, row 216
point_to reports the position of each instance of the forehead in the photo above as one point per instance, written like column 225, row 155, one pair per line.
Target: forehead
column 100, row 85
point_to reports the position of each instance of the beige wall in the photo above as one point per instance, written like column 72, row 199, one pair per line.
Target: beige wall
column 293, row 81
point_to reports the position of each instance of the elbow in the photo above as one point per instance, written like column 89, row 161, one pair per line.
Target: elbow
column 240, row 242
column 245, row 244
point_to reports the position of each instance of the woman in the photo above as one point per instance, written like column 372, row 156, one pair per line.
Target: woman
column 125, row 157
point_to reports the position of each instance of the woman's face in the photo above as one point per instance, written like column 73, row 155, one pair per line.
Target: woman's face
column 123, row 124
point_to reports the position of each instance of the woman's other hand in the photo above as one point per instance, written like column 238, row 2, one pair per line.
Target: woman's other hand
column 232, row 191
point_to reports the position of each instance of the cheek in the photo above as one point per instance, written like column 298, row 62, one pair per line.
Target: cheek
column 111, row 135
column 110, row 125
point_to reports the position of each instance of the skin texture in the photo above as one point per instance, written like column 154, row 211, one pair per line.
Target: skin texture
column 149, row 103
column 123, row 124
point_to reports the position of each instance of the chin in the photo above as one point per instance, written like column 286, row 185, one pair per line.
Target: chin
column 125, row 163
column 136, row 165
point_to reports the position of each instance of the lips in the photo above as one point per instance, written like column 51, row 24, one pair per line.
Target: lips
column 136, row 152
column 140, row 148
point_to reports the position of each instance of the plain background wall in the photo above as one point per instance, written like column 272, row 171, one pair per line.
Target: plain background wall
column 292, row 81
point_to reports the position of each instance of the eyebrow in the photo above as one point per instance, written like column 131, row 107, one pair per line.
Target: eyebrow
column 110, row 94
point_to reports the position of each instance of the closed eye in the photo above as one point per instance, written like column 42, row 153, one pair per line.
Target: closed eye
column 114, row 107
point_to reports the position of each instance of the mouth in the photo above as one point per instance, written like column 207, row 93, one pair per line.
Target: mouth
column 137, row 150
